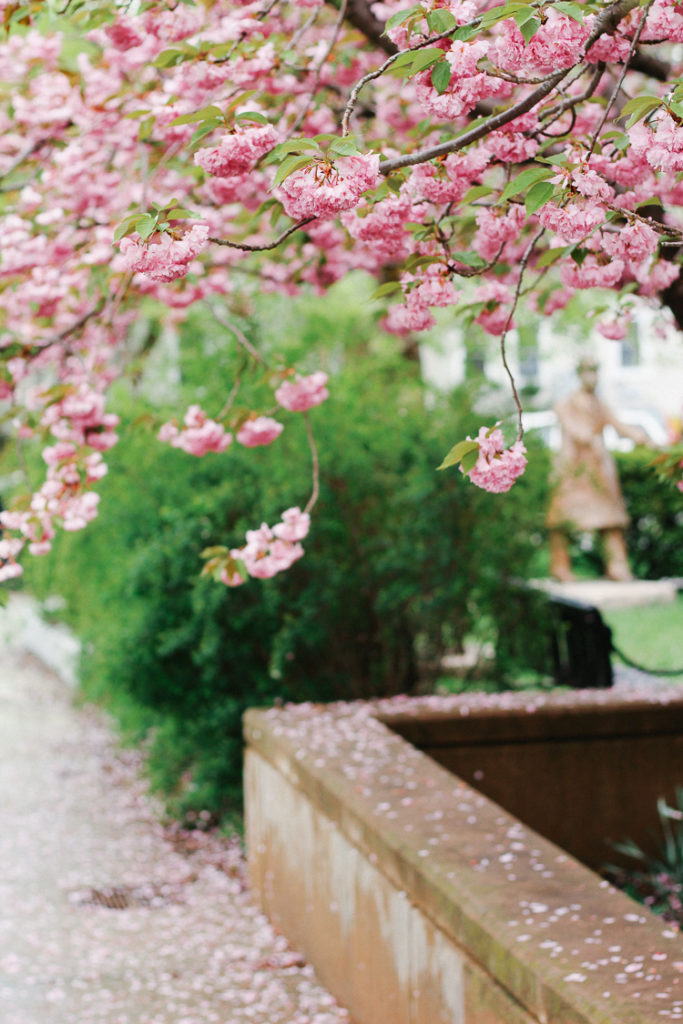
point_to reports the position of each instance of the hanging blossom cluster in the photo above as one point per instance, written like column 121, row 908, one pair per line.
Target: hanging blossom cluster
column 268, row 551
column 199, row 435
column 188, row 151
column 497, row 467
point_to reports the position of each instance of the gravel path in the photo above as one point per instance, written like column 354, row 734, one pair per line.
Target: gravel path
column 183, row 942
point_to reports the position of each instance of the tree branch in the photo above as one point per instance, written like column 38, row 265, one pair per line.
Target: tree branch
column 605, row 24
column 263, row 248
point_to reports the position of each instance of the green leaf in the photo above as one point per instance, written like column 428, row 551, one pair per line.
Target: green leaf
column 404, row 60
column 457, row 453
column 441, row 76
column 538, row 195
column 180, row 213
column 469, row 461
column 215, row 552
column 466, row 32
column 639, row 108
column 424, row 59
column 290, row 146
column 528, row 27
column 169, row 58
column 415, row 261
column 240, row 98
column 399, row 17
column 652, row 201
column 500, row 13
column 203, row 131
column 528, row 177
column 476, row 192
column 289, row 165
column 572, row 10
column 550, row 256
column 344, row 147
column 470, row 259
column 252, row 115
column 127, row 225
column 388, row 288
column 146, row 128
column 205, row 114
column 146, row 226
column 441, row 20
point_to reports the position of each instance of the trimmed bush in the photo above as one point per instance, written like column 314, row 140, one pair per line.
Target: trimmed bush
column 655, row 536
column 402, row 562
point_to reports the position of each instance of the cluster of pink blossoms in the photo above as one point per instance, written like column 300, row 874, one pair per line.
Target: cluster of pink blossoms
column 324, row 189
column 259, row 431
column 100, row 142
column 199, row 436
column 497, row 467
column 62, row 497
column 269, row 551
column 303, row 393
column 237, row 152
column 165, row 258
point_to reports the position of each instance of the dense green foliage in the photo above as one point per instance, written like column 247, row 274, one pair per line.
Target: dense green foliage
column 655, row 536
column 401, row 562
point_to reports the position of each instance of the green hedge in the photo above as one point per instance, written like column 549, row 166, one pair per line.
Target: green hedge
column 655, row 536
column 401, row 563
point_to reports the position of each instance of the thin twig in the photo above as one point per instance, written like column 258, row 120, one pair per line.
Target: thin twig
column 552, row 113
column 622, row 76
column 263, row 248
column 318, row 69
column 231, row 397
column 315, row 493
column 604, row 23
column 81, row 322
column 355, row 92
column 33, row 148
column 230, row 326
column 522, row 267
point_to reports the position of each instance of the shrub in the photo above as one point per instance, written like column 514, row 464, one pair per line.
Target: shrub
column 401, row 563
column 655, row 536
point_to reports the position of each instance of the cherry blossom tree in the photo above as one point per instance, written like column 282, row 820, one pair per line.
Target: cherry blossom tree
column 188, row 153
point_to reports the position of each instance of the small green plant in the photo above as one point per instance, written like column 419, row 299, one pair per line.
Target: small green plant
column 657, row 881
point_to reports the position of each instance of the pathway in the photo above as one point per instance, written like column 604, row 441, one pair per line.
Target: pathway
column 185, row 944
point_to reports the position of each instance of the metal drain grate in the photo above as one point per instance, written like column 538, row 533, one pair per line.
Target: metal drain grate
column 122, row 897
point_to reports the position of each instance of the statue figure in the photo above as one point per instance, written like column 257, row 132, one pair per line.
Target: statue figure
column 588, row 495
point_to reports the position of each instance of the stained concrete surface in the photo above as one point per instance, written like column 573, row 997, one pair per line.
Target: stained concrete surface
column 189, row 947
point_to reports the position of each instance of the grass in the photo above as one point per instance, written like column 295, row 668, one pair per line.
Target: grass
column 651, row 635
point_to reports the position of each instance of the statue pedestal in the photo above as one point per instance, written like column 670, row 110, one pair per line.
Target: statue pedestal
column 607, row 594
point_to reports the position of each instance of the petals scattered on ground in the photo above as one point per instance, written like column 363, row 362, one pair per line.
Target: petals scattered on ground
column 77, row 830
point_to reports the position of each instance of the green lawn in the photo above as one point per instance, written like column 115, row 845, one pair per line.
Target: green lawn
column 652, row 635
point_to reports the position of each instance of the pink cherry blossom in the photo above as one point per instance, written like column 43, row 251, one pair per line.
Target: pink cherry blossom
column 269, row 551
column 303, row 393
column 199, row 436
column 294, row 526
column 497, row 468
column 237, row 152
column 324, row 190
column 574, row 221
column 259, row 431
column 165, row 258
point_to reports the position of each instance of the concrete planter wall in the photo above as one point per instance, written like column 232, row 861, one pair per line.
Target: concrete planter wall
column 421, row 901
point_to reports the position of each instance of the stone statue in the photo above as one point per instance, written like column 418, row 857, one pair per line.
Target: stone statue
column 587, row 495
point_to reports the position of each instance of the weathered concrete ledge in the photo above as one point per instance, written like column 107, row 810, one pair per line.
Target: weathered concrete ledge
column 419, row 900
column 608, row 594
